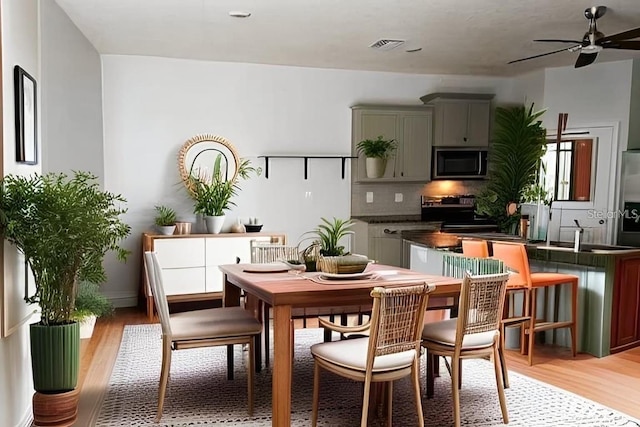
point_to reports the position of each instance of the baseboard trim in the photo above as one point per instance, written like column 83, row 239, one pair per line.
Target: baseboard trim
column 123, row 299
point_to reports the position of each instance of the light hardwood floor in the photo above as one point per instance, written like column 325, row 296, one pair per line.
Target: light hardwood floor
column 613, row 381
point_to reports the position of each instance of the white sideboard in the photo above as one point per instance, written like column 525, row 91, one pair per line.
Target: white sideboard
column 190, row 262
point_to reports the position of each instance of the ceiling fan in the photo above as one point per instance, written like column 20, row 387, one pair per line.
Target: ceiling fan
column 593, row 40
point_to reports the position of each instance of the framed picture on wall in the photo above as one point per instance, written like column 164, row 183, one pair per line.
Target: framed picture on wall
column 26, row 117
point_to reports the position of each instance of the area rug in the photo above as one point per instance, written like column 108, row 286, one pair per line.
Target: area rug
column 199, row 393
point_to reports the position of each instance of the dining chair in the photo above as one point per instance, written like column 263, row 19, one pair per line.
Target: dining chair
column 475, row 333
column 390, row 352
column 480, row 248
column 514, row 255
column 198, row 328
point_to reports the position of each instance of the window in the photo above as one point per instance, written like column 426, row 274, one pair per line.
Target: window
column 566, row 169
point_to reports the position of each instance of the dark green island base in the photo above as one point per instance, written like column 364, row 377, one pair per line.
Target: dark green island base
column 609, row 286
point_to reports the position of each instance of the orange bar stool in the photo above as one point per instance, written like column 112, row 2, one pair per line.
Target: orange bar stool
column 514, row 255
column 475, row 248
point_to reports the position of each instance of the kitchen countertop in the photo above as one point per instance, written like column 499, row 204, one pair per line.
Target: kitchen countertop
column 536, row 250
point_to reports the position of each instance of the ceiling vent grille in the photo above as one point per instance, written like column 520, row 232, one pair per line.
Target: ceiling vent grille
column 386, row 44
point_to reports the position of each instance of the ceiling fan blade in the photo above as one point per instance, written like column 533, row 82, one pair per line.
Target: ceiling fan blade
column 585, row 59
column 544, row 54
column 625, row 44
column 559, row 41
column 625, row 35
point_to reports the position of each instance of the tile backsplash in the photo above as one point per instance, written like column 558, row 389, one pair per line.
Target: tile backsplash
column 384, row 196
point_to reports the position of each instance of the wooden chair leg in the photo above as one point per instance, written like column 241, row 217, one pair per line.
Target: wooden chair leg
column 503, row 366
column 164, row 375
column 267, row 332
column 416, row 389
column 390, row 403
column 250, row 373
column 316, row 392
column 499, row 383
column 455, row 391
column 230, row 362
column 365, row 401
column 532, row 324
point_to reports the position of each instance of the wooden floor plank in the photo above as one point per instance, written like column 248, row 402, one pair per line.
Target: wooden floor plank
column 613, row 381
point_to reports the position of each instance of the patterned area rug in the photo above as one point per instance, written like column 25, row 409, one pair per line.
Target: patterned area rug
column 199, row 394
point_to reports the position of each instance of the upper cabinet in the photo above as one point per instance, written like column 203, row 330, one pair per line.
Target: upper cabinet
column 461, row 120
column 410, row 126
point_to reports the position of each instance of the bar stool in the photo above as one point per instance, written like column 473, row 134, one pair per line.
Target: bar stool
column 514, row 255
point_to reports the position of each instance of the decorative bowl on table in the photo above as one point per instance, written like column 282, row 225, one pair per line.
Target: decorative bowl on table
column 346, row 264
column 253, row 228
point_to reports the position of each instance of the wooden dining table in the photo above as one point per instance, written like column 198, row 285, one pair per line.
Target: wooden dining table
column 285, row 290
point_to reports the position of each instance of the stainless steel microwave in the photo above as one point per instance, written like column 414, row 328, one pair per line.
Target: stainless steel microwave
column 459, row 163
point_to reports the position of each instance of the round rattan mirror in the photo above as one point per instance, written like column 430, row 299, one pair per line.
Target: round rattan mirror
column 198, row 155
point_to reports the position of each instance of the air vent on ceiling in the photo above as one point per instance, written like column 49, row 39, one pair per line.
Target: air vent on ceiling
column 387, row 44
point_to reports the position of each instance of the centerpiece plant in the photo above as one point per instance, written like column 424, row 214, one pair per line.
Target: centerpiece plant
column 327, row 242
column 213, row 193
column 63, row 226
column 516, row 150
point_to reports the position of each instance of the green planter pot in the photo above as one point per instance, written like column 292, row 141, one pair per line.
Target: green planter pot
column 55, row 357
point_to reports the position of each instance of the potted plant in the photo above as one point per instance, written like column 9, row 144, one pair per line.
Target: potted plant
column 331, row 254
column 213, row 193
column 90, row 304
column 518, row 146
column 376, row 151
column 165, row 220
column 64, row 227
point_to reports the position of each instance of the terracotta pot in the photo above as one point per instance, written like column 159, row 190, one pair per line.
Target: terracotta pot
column 55, row 409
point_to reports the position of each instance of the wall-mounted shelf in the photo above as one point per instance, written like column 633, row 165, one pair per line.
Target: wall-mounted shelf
column 306, row 158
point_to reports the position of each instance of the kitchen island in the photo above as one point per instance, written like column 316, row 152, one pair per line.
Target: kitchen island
column 609, row 284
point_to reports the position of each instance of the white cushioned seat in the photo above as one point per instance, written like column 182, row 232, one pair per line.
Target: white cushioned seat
column 219, row 322
column 444, row 332
column 352, row 354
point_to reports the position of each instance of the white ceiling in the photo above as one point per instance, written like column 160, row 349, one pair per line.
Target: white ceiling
column 456, row 36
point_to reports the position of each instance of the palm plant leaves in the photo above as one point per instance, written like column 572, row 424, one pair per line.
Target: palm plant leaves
column 330, row 232
column 517, row 147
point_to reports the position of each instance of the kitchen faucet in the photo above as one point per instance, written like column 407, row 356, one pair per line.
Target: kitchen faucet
column 578, row 237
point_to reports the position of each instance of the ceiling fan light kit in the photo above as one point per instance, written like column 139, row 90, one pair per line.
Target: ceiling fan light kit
column 593, row 40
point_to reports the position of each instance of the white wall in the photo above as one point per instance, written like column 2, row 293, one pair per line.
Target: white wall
column 71, row 89
column 19, row 47
column 595, row 97
column 153, row 105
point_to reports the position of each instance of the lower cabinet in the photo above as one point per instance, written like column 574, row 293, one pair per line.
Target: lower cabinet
column 625, row 314
column 190, row 263
column 382, row 242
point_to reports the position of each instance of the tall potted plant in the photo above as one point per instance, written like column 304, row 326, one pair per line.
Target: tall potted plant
column 517, row 148
column 376, row 152
column 213, row 193
column 64, row 227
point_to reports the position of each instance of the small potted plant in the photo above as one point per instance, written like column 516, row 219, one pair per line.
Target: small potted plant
column 376, row 151
column 332, row 257
column 165, row 220
column 90, row 304
column 213, row 193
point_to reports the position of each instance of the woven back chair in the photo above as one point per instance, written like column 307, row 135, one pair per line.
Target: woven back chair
column 263, row 253
column 392, row 348
column 475, row 333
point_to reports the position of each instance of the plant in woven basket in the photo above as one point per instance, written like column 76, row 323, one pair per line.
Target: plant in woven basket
column 332, row 257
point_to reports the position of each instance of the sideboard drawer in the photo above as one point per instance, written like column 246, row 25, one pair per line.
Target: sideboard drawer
column 179, row 281
column 180, row 253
